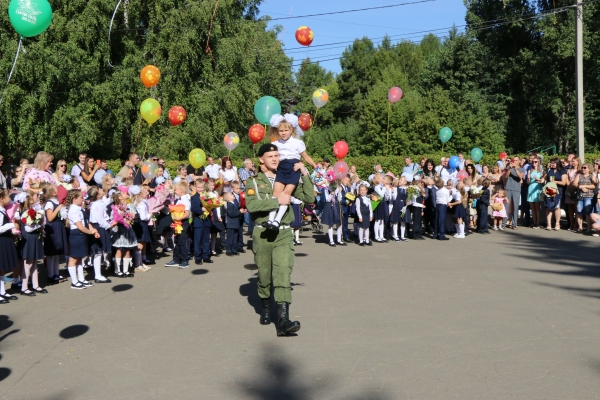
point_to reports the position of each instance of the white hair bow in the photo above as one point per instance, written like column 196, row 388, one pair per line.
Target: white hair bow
column 66, row 178
column 135, row 190
column 290, row 118
column 20, row 198
column 160, row 180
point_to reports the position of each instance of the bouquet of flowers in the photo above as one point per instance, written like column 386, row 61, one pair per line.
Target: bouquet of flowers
column 475, row 192
column 32, row 217
column 218, row 183
column 122, row 215
column 550, row 190
column 412, row 192
column 330, row 176
column 210, row 201
column 177, row 211
column 375, row 200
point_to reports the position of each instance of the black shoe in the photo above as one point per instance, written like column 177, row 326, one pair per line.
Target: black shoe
column 284, row 325
column 172, row 263
column 361, row 244
column 105, row 280
column 208, row 261
column 28, row 293
column 369, row 243
column 198, row 262
column 9, row 297
column 4, row 301
column 266, row 225
column 86, row 283
column 120, row 275
column 341, row 244
column 241, row 251
column 347, row 240
column 184, row 264
column 235, row 253
column 406, row 240
column 274, row 226
column 443, row 238
column 265, row 314
column 127, row 275
column 40, row 290
column 229, row 254
column 331, row 244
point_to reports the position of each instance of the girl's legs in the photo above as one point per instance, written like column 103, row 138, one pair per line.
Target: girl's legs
column 72, row 266
column 279, row 188
column 138, row 257
column 117, row 262
column 2, row 290
column 297, row 235
column 571, row 211
column 17, row 273
column 402, row 229
column 30, row 270
column 394, row 230
column 98, row 267
column 557, row 218
column 361, row 234
column 330, row 234
column 339, row 234
column 126, row 262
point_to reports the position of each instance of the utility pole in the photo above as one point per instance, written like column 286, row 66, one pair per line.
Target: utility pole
column 579, row 77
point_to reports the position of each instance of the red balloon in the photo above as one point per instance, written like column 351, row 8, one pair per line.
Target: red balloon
column 305, row 121
column 340, row 149
column 256, row 133
column 304, row 35
column 177, row 115
column 394, row 94
column 462, row 175
column 502, row 155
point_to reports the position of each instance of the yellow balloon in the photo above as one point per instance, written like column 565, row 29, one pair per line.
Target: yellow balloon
column 197, row 158
column 150, row 110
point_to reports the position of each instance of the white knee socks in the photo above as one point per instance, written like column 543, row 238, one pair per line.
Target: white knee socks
column 395, row 230
column 339, row 234
column 402, row 229
column 282, row 210
column 126, row 263
column 363, row 235
column 2, row 291
column 80, row 274
column 98, row 267
column 73, row 274
column 330, row 233
column 117, row 263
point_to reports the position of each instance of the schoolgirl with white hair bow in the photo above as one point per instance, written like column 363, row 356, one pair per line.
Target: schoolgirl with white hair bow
column 291, row 149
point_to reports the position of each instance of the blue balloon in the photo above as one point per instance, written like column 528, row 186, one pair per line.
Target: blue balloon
column 453, row 163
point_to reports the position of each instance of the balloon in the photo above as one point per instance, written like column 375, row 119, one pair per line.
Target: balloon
column 197, row 158
column 256, row 133
column 305, row 121
column 453, row 163
column 320, row 98
column 340, row 149
column 149, row 169
column 476, row 154
column 394, row 94
column 177, row 115
column 265, row 108
column 231, row 141
column 462, row 175
column 304, row 35
column 503, row 155
column 341, row 169
column 150, row 76
column 30, row 17
column 445, row 134
column 150, row 110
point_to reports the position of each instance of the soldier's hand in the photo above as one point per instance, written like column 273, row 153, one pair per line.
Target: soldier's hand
column 284, row 199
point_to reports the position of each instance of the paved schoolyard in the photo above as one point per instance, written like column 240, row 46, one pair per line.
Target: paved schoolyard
column 507, row 315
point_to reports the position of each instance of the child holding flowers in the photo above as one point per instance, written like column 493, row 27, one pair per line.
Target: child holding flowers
column 55, row 240
column 201, row 204
column 99, row 219
column 32, row 233
column 122, row 235
column 180, row 254
column 139, row 196
column 364, row 212
column 458, row 203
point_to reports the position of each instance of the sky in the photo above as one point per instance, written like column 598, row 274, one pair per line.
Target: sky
column 341, row 29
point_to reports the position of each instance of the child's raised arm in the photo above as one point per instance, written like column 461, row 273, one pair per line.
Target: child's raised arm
column 309, row 160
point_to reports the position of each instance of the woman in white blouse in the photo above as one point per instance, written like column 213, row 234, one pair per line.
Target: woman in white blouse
column 228, row 174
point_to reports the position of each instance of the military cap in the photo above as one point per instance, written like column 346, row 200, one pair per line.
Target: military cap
column 265, row 148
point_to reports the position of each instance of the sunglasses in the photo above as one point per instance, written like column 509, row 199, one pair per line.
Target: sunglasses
column 536, row 162
column 584, row 167
column 155, row 159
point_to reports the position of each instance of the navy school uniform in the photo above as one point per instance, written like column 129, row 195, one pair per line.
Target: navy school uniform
column 364, row 211
column 55, row 239
column 240, row 234
column 32, row 247
column 331, row 211
column 103, row 244
column 201, row 228
column 78, row 241
column 430, row 210
column 417, row 217
column 460, row 212
column 232, row 225
column 181, row 252
column 346, row 208
column 398, row 204
column 9, row 259
column 483, row 203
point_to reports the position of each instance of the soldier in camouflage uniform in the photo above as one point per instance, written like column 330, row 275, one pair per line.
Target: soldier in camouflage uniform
column 274, row 249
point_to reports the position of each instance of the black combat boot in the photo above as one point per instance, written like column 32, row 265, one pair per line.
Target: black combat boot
column 265, row 315
column 284, row 325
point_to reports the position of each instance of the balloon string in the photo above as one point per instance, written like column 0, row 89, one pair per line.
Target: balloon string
column 313, row 127
column 12, row 68
column 145, row 148
column 137, row 137
column 387, row 144
column 110, row 29
column 208, row 50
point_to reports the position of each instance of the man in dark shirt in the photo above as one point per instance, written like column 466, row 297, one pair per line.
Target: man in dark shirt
column 195, row 173
column 134, row 160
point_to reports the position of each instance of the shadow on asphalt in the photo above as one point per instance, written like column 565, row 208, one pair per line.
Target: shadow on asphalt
column 200, row 271
column 121, row 288
column 277, row 377
column 74, row 331
column 251, row 267
column 575, row 257
column 5, row 323
column 249, row 290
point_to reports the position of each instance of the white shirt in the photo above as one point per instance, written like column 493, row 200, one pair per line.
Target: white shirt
column 367, row 201
column 213, row 171
column 142, row 209
column 76, row 172
column 456, row 196
column 99, row 214
column 446, row 174
column 185, row 200
column 3, row 217
column 51, row 205
column 290, row 149
column 99, row 175
column 75, row 215
column 229, row 174
column 443, row 196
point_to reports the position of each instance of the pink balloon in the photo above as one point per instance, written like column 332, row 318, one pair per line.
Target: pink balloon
column 462, row 175
column 340, row 149
column 341, row 169
column 394, row 94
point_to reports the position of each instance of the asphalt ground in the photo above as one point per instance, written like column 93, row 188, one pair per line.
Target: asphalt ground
column 514, row 314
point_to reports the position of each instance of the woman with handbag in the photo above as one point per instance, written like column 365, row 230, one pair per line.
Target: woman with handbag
column 585, row 183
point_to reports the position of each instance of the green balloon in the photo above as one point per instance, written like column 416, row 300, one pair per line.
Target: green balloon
column 476, row 154
column 445, row 134
column 265, row 108
column 30, row 17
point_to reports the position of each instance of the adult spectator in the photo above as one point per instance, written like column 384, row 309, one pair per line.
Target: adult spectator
column 485, row 171
column 182, row 175
column 585, row 183
column 102, row 170
column 212, row 169
column 166, row 173
column 246, row 172
column 461, row 162
column 16, row 181
column 438, row 169
column 570, row 195
column 514, row 174
column 597, row 176
column 496, row 178
column 195, row 173
column 61, row 169
column 558, row 175
column 502, row 161
column 409, row 167
column 535, row 182
column 326, row 163
column 447, row 173
column 89, row 170
column 526, row 164
column 228, row 174
column 352, row 171
column 40, row 172
column 470, row 168
column 378, row 170
column 3, row 182
column 429, row 169
column 138, row 178
column 78, row 168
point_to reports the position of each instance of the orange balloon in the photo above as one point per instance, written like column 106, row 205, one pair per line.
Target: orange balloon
column 304, row 35
column 305, row 121
column 150, row 76
column 256, row 133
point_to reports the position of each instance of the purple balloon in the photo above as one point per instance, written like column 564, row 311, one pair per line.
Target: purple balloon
column 394, row 94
